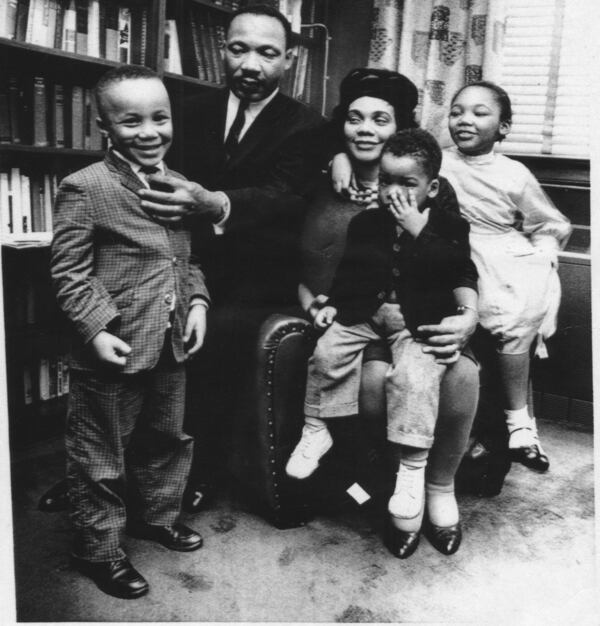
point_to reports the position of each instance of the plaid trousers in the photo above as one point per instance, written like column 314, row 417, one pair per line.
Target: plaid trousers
column 127, row 453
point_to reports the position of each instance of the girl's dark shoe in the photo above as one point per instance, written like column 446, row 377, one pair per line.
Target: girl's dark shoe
column 399, row 542
column 445, row 539
column 532, row 457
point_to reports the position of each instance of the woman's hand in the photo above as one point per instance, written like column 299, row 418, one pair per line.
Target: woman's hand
column 316, row 305
column 406, row 212
column 324, row 318
column 446, row 339
column 341, row 173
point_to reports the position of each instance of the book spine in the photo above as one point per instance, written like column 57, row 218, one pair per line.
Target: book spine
column 25, row 204
column 112, row 31
column 44, row 379
column 135, row 40
column 15, row 201
column 206, row 51
column 51, row 26
column 58, row 118
column 14, row 98
column 87, row 120
column 81, row 21
column 198, row 68
column 58, row 30
column 124, row 35
column 40, row 132
column 27, row 384
column 95, row 134
column 5, row 118
column 69, row 36
column 102, row 30
column 37, row 221
column 5, row 208
column 77, row 117
column 48, row 200
column 9, row 22
column 174, row 49
column 93, row 46
column 21, row 25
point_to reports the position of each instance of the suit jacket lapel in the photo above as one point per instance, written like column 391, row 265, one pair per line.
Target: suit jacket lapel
column 123, row 171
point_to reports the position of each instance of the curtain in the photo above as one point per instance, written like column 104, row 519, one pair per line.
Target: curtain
column 440, row 45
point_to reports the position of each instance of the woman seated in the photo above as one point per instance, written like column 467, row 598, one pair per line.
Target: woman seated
column 374, row 104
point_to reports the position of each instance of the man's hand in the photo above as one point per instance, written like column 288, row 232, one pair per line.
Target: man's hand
column 186, row 198
column 195, row 329
column 110, row 349
column 406, row 212
column 446, row 339
column 324, row 318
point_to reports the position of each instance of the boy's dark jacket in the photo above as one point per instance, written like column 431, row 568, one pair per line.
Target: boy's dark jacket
column 428, row 267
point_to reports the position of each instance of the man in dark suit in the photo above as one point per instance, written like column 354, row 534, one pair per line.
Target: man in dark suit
column 253, row 155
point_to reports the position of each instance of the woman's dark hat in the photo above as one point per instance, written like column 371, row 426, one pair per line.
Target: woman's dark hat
column 390, row 86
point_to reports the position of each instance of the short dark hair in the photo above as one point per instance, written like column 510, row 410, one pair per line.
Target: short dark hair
column 269, row 11
column 500, row 95
column 118, row 74
column 418, row 144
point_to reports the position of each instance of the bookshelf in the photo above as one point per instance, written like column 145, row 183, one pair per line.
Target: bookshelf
column 53, row 52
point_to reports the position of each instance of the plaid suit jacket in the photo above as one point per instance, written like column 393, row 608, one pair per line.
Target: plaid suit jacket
column 114, row 267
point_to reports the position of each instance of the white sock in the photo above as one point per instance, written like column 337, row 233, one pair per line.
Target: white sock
column 442, row 507
column 314, row 424
column 407, row 508
column 520, row 428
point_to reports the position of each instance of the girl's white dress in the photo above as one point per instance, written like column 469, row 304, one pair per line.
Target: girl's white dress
column 516, row 232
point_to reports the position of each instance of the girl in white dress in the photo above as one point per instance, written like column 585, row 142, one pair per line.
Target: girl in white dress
column 516, row 233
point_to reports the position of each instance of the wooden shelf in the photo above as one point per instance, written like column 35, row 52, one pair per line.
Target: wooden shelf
column 190, row 80
column 212, row 5
column 50, row 151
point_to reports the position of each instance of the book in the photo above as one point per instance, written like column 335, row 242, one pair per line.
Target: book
column 172, row 50
column 204, row 36
column 5, row 130
column 58, row 27
column 124, row 35
column 5, row 206
column 8, row 18
column 77, row 117
column 25, row 204
column 58, row 117
column 138, row 34
column 21, row 22
column 37, row 214
column 93, row 28
column 36, row 33
column 44, row 378
column 51, row 8
column 27, row 384
column 95, row 134
column 81, row 26
column 69, row 28
column 40, row 108
column 213, row 46
column 111, row 34
column 14, row 108
column 198, row 67
column 48, row 201
column 14, row 186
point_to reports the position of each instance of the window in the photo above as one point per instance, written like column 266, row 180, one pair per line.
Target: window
column 546, row 69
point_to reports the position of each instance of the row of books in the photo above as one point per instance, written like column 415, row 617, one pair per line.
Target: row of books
column 35, row 111
column 105, row 29
column 25, row 203
column 46, row 378
column 203, row 39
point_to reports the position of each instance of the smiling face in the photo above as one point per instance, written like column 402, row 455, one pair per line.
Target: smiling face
column 369, row 123
column 401, row 174
column 136, row 116
column 255, row 56
column 475, row 121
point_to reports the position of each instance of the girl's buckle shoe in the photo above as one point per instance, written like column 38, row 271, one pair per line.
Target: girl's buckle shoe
column 532, row 457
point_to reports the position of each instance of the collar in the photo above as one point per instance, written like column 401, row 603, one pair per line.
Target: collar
column 476, row 159
column 253, row 108
column 136, row 167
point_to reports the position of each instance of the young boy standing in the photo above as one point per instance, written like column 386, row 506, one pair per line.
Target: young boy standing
column 138, row 302
column 406, row 264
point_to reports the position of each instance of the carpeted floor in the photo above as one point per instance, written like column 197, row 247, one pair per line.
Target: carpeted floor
column 527, row 557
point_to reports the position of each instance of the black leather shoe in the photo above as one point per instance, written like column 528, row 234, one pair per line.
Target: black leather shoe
column 177, row 537
column 116, row 578
column 56, row 498
column 531, row 457
column 445, row 539
column 197, row 497
column 399, row 542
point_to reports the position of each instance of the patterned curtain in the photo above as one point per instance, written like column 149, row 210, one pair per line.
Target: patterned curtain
column 440, row 45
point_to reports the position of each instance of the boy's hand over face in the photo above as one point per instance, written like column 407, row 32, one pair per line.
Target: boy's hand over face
column 406, row 212
column 195, row 329
column 110, row 349
column 324, row 318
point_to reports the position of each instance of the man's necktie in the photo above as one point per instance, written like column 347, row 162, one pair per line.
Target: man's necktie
column 233, row 137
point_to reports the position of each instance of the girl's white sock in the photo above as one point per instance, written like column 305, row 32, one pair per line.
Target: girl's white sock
column 442, row 507
column 315, row 424
column 520, row 428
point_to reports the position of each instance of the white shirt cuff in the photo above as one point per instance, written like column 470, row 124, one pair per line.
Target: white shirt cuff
column 219, row 227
